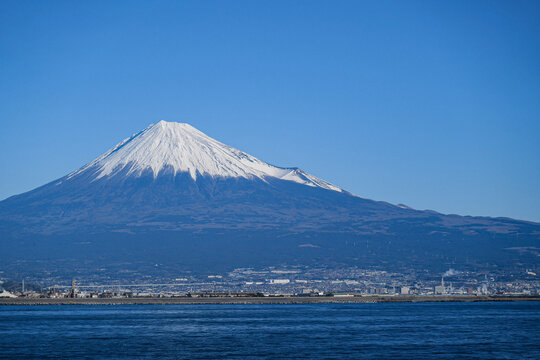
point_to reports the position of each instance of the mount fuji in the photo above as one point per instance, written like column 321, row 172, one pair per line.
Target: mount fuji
column 172, row 195
column 180, row 148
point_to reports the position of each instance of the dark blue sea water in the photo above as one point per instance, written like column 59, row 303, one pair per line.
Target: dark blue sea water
column 325, row 331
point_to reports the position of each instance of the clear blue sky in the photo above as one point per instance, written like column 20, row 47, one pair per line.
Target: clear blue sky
column 428, row 103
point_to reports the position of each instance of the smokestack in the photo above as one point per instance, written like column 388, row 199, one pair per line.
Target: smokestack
column 74, row 288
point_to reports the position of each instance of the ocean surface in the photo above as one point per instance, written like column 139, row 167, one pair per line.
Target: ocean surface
column 323, row 331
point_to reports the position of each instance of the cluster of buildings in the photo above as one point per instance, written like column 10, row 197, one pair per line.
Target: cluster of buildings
column 275, row 281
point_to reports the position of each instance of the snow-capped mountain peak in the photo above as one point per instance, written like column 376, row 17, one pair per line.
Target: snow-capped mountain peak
column 179, row 147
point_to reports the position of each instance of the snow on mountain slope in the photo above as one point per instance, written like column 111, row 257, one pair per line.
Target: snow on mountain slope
column 182, row 148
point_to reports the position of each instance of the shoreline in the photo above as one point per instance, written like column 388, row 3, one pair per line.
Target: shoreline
column 262, row 300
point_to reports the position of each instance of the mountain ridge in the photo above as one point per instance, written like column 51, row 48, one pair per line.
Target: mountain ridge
column 225, row 206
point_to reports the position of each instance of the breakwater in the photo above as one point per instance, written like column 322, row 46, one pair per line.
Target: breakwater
column 260, row 300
